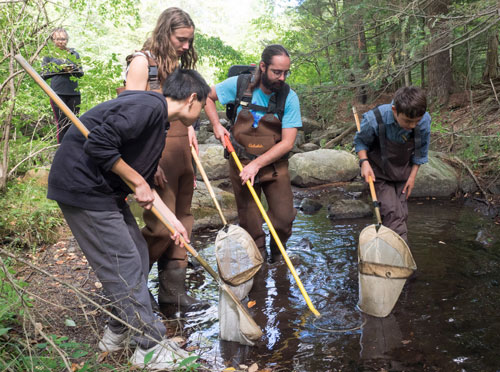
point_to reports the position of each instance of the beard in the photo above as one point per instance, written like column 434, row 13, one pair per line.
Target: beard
column 273, row 86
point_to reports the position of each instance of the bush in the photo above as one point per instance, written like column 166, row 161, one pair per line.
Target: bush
column 29, row 219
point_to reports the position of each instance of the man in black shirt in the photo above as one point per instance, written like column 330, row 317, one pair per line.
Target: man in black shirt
column 125, row 142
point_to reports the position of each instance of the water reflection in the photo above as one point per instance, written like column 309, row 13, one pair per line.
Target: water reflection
column 456, row 279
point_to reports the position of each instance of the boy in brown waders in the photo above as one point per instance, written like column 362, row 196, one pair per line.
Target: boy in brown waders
column 392, row 144
column 263, row 134
column 125, row 142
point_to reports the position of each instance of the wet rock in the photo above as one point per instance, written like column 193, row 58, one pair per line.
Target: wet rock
column 343, row 209
column 203, row 208
column 322, row 166
column 213, row 161
column 309, row 205
column 204, row 132
column 354, row 194
column 310, row 125
column 304, row 244
column 483, row 207
column 356, row 186
column 435, row 178
column 309, row 147
column 485, row 238
column 300, row 139
column 494, row 189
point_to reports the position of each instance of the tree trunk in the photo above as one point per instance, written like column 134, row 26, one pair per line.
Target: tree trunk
column 440, row 78
column 7, row 124
column 491, row 70
column 361, row 53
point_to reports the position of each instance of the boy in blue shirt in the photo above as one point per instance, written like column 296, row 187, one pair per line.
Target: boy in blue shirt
column 392, row 144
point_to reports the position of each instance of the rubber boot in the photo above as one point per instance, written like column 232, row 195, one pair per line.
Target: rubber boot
column 276, row 255
column 173, row 290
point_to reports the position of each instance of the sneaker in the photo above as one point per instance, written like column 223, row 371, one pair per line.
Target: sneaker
column 166, row 354
column 112, row 341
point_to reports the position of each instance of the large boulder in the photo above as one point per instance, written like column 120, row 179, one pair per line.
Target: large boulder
column 40, row 175
column 322, row 166
column 204, row 211
column 212, row 159
column 349, row 208
column 435, row 178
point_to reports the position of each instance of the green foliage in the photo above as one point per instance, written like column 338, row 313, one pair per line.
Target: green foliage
column 29, row 219
column 189, row 364
column 481, row 147
column 216, row 53
column 99, row 82
column 10, row 301
column 19, row 356
column 22, row 148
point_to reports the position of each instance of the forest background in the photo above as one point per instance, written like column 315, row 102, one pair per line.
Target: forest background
column 344, row 53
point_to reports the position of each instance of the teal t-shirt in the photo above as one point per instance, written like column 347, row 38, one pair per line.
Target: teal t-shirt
column 226, row 93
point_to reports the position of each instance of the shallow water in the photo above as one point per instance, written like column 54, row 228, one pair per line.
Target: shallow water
column 446, row 318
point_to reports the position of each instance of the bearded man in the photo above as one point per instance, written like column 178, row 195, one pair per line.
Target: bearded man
column 267, row 120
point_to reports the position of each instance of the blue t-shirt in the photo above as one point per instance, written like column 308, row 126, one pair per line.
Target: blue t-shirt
column 363, row 140
column 226, row 92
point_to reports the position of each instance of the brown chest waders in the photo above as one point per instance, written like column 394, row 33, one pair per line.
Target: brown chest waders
column 391, row 164
column 273, row 179
column 177, row 194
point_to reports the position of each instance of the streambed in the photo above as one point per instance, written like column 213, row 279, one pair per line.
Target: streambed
column 446, row 318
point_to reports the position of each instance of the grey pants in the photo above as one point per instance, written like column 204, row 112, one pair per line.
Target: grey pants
column 116, row 250
column 393, row 206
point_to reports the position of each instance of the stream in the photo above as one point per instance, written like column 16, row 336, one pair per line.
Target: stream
column 446, row 318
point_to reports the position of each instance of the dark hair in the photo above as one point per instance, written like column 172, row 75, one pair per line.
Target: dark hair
column 267, row 57
column 410, row 101
column 160, row 46
column 181, row 83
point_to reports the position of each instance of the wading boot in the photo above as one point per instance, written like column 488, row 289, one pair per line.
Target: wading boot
column 173, row 290
column 276, row 255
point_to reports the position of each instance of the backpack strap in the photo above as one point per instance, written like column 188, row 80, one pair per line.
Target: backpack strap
column 381, row 137
column 276, row 102
column 152, row 65
column 152, row 68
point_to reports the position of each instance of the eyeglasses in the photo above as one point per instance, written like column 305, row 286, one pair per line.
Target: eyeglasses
column 278, row 73
column 61, row 39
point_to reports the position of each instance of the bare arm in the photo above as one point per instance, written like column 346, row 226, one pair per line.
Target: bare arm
column 211, row 111
column 410, row 183
column 270, row 156
column 366, row 168
column 137, row 75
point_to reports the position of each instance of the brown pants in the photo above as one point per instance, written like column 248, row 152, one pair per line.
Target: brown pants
column 177, row 195
column 279, row 198
column 393, row 206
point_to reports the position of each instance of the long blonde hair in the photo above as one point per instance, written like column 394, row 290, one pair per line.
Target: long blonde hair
column 160, row 46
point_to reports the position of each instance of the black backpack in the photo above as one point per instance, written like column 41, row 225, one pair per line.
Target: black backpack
column 245, row 72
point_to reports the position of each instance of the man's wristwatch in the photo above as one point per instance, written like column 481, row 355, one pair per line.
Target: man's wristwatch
column 361, row 161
